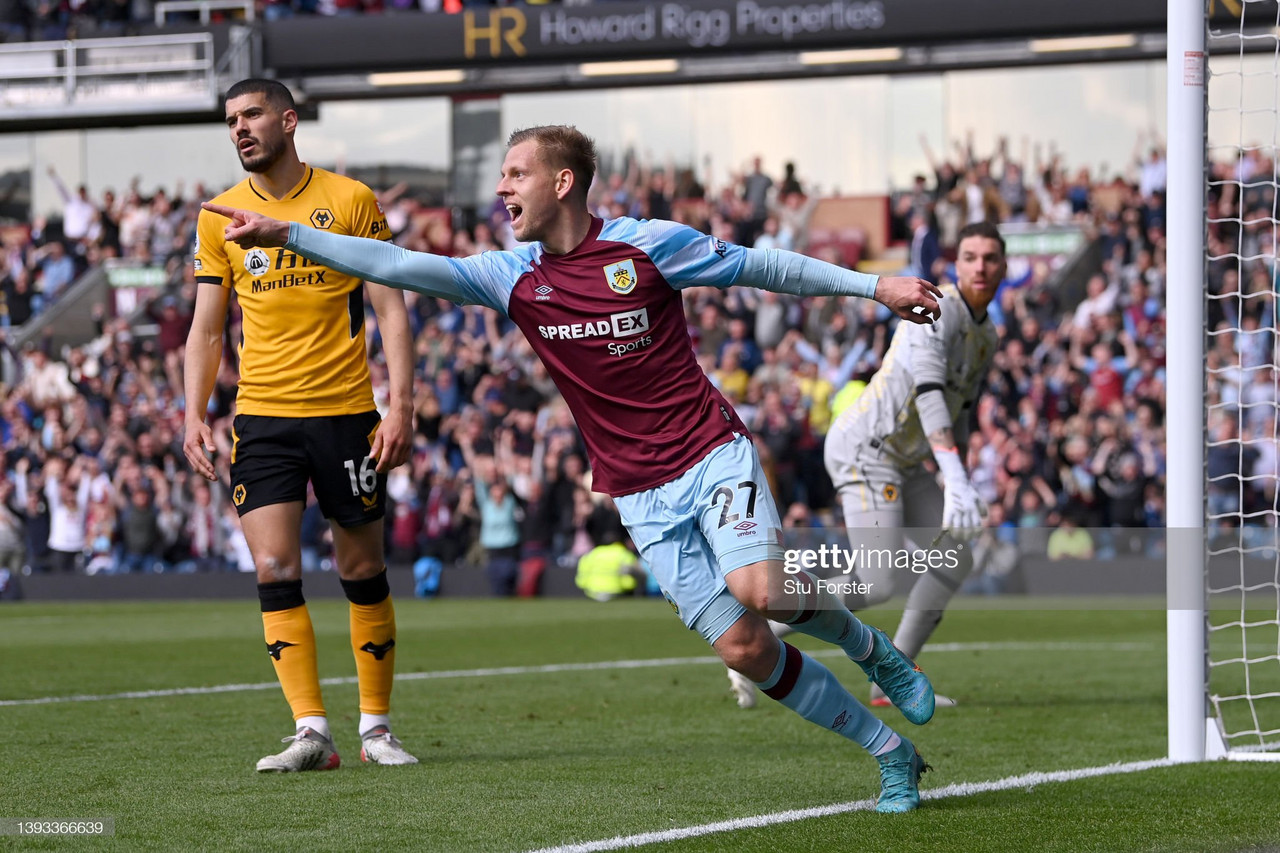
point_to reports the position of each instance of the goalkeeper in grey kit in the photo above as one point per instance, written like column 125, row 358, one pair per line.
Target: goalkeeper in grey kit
column 917, row 407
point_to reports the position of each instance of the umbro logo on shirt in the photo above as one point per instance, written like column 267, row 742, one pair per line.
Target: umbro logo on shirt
column 543, row 293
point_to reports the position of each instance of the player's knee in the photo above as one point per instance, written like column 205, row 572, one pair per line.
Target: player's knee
column 758, row 601
column 748, row 658
column 751, row 650
column 274, row 570
column 361, row 569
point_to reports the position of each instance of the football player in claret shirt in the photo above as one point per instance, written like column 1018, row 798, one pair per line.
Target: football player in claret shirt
column 599, row 300
column 304, row 412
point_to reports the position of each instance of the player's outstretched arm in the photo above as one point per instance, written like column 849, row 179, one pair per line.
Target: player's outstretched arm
column 467, row 282
column 913, row 299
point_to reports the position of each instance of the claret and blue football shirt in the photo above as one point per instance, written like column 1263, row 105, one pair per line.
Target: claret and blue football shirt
column 606, row 319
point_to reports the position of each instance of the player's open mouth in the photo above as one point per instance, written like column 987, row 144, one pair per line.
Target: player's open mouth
column 514, row 211
column 245, row 145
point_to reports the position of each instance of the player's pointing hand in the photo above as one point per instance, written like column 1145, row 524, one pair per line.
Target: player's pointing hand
column 249, row 229
column 909, row 297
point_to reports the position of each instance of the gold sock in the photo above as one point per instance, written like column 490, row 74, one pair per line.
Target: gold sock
column 291, row 642
column 373, row 640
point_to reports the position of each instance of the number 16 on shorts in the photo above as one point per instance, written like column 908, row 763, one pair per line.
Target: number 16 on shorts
column 363, row 474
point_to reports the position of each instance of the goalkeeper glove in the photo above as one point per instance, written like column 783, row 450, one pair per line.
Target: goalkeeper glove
column 963, row 509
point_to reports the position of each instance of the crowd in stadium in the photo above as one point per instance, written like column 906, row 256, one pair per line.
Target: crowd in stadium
column 1070, row 432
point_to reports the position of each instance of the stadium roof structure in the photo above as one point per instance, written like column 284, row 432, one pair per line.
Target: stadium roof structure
column 177, row 73
column 612, row 44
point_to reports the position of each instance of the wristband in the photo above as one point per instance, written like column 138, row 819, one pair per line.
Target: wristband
column 949, row 463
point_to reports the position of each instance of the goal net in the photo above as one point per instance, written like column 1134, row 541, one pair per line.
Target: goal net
column 1242, row 382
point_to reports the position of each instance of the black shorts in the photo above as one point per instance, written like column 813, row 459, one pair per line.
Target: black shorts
column 273, row 458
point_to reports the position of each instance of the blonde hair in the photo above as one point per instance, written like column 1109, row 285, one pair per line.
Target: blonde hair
column 562, row 146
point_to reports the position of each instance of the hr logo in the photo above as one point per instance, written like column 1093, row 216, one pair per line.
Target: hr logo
column 505, row 28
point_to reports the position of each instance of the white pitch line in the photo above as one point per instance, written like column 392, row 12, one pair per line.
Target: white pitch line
column 961, row 789
column 544, row 669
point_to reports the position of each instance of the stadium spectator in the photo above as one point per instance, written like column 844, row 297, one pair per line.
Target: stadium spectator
column 608, row 571
column 19, row 300
column 115, row 17
column 755, row 193
column 14, row 15
column 790, row 184
column 499, row 526
column 12, row 530
column 1070, row 542
column 45, row 382
column 78, row 212
column 1101, row 300
column 36, row 518
column 1154, row 170
column 204, row 532
column 66, row 489
column 925, row 249
column 141, row 541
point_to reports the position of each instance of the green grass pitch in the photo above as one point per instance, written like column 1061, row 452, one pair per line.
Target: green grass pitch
column 519, row 760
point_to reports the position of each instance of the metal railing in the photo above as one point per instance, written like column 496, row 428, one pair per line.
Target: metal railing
column 108, row 76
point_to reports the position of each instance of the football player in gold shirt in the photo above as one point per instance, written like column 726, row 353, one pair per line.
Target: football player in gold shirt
column 304, row 413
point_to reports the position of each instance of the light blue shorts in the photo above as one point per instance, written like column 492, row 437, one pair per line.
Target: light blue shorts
column 716, row 517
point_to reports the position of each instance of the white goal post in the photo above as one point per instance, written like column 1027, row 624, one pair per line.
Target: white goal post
column 1223, row 369
column 1184, row 435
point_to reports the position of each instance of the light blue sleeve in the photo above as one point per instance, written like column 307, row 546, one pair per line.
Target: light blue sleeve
column 485, row 279
column 689, row 258
column 684, row 256
column 791, row 272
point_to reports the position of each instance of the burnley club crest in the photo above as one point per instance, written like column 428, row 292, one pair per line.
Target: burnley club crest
column 621, row 276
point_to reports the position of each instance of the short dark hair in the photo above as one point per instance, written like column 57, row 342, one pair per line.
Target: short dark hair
column 277, row 94
column 981, row 229
column 562, row 147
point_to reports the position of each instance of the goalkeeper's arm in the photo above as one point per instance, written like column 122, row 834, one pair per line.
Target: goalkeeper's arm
column 963, row 510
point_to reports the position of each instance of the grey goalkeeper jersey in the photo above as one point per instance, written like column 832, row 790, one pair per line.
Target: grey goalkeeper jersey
column 953, row 353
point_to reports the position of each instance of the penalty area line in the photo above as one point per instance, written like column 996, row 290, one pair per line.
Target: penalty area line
column 959, row 789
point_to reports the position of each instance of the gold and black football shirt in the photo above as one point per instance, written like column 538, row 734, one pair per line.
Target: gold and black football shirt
column 302, row 348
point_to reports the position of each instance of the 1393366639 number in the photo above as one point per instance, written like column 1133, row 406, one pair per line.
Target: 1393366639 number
column 66, row 826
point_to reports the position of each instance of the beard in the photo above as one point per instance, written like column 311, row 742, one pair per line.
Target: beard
column 268, row 155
